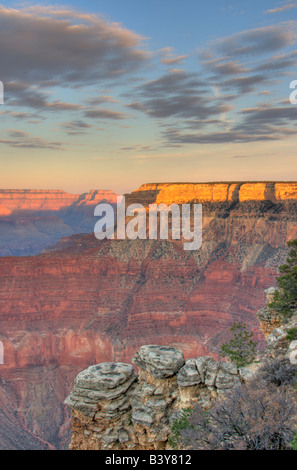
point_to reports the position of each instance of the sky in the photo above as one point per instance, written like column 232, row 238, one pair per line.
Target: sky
column 111, row 94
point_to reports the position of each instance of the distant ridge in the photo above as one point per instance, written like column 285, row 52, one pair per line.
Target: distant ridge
column 179, row 193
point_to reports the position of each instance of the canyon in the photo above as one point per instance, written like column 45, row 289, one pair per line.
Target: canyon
column 32, row 220
column 113, row 408
column 83, row 301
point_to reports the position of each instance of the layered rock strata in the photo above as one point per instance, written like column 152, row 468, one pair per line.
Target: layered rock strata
column 182, row 193
column 269, row 319
column 31, row 220
column 276, row 331
column 115, row 409
column 85, row 302
column 12, row 200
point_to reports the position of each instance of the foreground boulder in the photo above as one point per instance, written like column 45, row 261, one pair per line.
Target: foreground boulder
column 114, row 409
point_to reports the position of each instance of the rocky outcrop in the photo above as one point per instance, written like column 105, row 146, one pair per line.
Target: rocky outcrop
column 183, row 193
column 114, row 409
column 278, row 342
column 269, row 319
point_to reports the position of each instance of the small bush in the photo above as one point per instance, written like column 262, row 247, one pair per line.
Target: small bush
column 250, row 417
column 278, row 372
column 291, row 334
column 241, row 349
column 179, row 425
column 285, row 299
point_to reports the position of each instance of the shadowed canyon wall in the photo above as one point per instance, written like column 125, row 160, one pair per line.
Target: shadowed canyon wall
column 31, row 220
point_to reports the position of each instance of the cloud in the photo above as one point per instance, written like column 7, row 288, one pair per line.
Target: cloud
column 175, row 136
column 266, row 115
column 104, row 114
column 54, row 47
column 174, row 60
column 279, row 62
column 220, row 67
column 177, row 94
column 22, row 139
column 193, row 108
column 244, row 61
column 281, row 9
column 245, row 84
column 168, row 58
column 261, row 123
column 19, row 115
column 49, row 43
column 76, row 127
column 257, row 41
column 138, row 148
column 98, row 100
column 26, row 95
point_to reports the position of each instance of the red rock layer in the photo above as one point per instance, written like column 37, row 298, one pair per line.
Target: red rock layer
column 33, row 220
column 180, row 193
column 48, row 200
column 97, row 301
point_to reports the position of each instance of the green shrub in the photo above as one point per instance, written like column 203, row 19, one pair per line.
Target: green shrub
column 177, row 426
column 241, row 349
column 292, row 334
column 285, row 299
column 250, row 416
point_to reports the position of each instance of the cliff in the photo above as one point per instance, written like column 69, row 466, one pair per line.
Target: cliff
column 183, row 193
column 12, row 200
column 113, row 408
column 86, row 302
column 32, row 220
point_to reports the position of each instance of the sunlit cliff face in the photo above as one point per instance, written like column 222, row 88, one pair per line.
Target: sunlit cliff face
column 169, row 193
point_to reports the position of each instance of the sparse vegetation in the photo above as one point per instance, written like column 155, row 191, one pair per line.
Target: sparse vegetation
column 262, row 413
column 251, row 417
column 278, row 372
column 285, row 299
column 291, row 334
column 241, row 349
column 179, row 425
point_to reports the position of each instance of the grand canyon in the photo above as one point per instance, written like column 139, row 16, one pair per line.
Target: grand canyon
column 31, row 220
column 69, row 301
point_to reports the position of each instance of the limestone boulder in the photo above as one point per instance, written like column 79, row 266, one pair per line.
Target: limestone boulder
column 160, row 361
column 106, row 381
column 188, row 374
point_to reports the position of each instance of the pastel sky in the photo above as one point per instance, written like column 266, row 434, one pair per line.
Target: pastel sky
column 110, row 94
